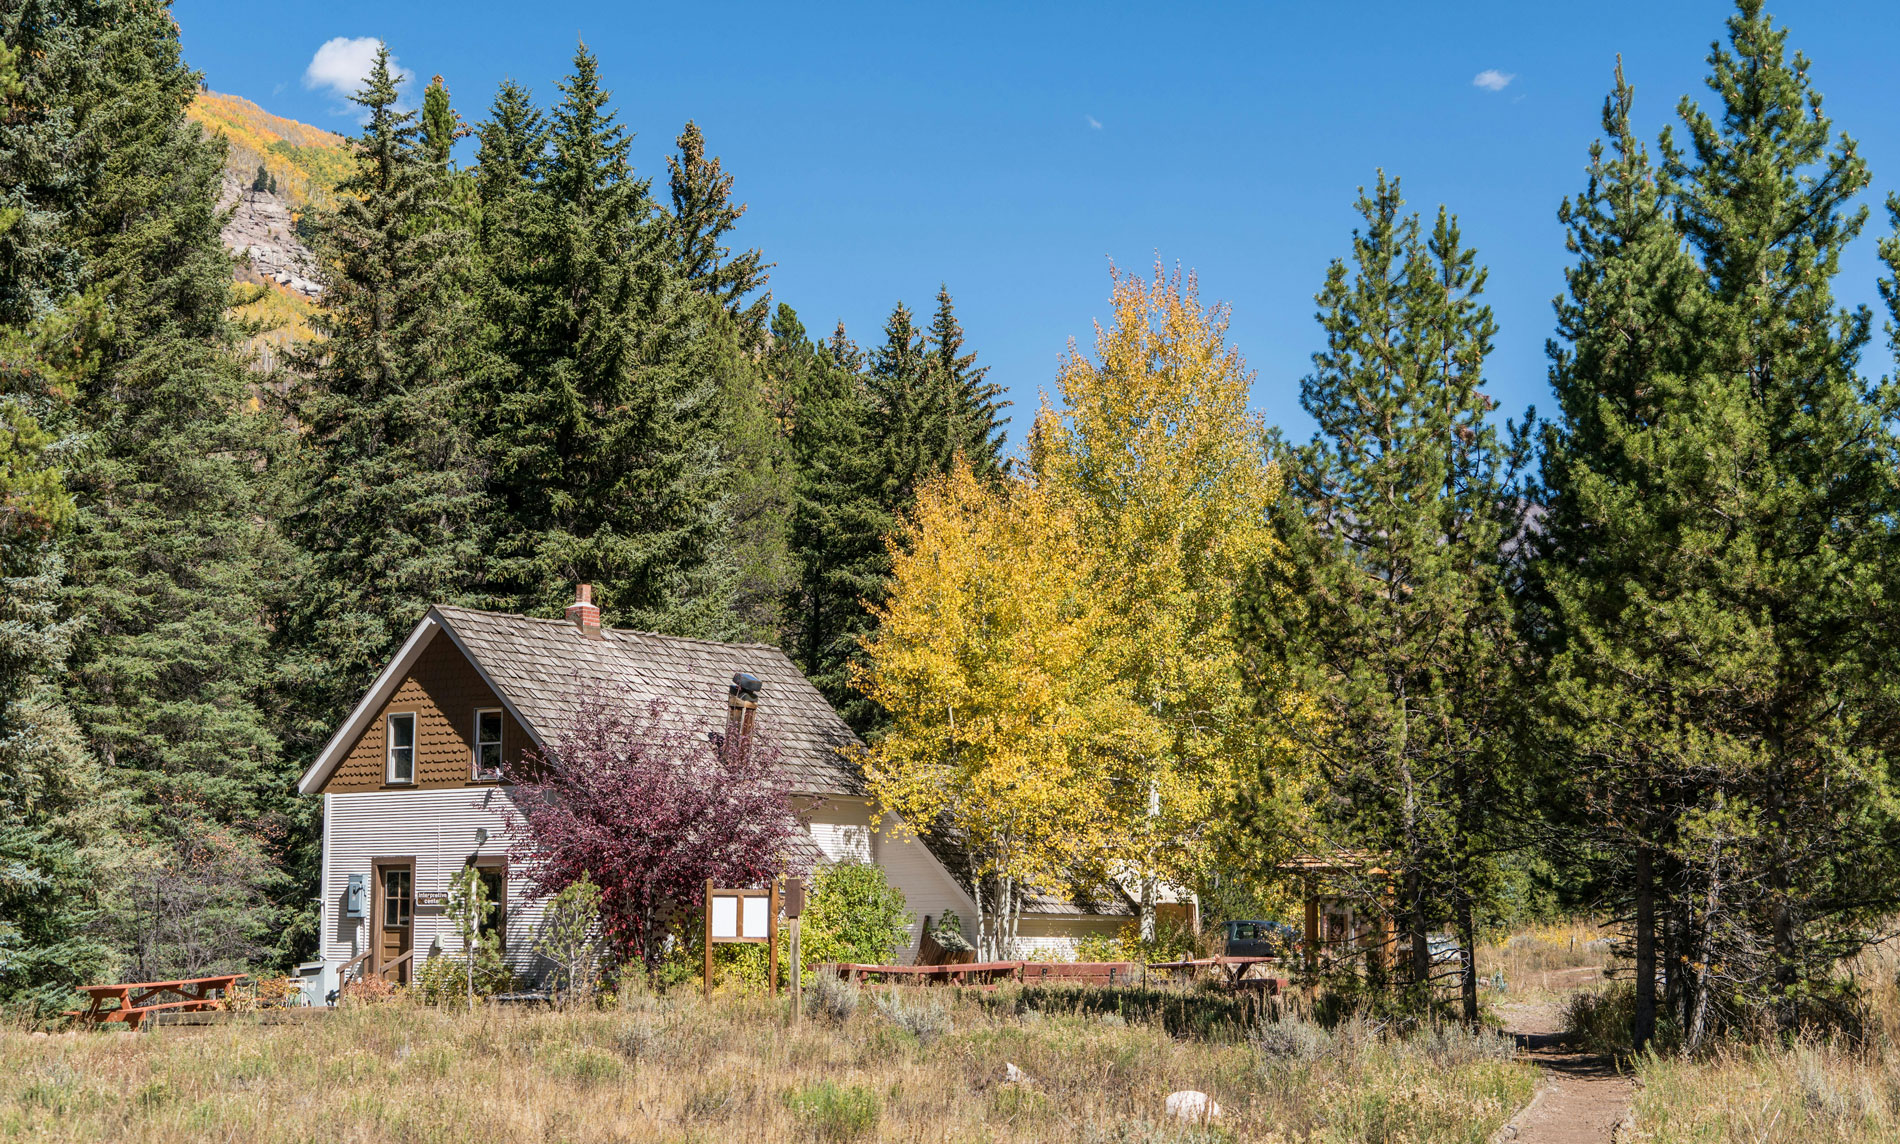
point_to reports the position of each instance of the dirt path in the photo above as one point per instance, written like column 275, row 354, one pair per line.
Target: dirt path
column 1582, row 1100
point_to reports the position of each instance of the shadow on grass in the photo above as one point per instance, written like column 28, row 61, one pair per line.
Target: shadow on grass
column 1185, row 1013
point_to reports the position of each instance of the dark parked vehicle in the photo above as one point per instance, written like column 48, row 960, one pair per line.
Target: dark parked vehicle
column 1259, row 939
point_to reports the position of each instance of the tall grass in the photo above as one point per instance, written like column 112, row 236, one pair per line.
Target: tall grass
column 1822, row 1086
column 675, row 1069
column 1551, row 958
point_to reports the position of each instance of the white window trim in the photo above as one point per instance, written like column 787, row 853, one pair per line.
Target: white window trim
column 389, row 749
column 475, row 761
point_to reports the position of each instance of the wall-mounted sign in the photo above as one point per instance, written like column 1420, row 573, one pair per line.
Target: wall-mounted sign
column 432, row 899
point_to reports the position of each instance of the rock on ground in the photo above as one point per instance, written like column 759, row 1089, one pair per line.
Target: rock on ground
column 1193, row 1106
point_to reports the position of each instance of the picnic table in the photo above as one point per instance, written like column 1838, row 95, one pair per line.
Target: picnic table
column 139, row 999
column 1232, row 969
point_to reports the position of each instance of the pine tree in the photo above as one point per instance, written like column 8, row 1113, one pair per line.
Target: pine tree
column 1627, row 356
column 977, row 423
column 1732, row 480
column 703, row 214
column 601, row 428
column 1394, row 612
column 441, row 127
column 1804, row 527
column 389, row 509
column 839, row 518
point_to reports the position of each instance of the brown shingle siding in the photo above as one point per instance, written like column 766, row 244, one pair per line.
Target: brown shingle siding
column 444, row 691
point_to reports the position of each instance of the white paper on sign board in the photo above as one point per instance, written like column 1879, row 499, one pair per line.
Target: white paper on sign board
column 755, row 917
column 725, row 916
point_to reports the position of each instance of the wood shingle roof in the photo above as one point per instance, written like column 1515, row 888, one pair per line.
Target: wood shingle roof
column 544, row 668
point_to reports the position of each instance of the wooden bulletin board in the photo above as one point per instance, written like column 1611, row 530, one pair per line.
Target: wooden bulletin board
column 745, row 917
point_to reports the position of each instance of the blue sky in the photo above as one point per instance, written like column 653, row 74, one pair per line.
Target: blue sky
column 1012, row 151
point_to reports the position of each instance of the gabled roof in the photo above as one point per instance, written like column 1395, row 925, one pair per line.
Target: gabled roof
column 541, row 669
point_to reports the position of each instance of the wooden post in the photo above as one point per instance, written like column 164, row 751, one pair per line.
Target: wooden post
column 798, row 984
column 771, row 940
column 1312, row 925
column 709, row 942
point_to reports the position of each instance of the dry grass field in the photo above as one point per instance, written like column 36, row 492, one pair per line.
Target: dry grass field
column 1812, row 1092
column 1554, row 959
column 674, row 1069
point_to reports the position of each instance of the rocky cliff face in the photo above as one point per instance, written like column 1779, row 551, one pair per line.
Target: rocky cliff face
column 263, row 231
column 305, row 163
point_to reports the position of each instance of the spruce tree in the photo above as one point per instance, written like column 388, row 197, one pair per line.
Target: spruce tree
column 168, row 558
column 600, row 432
column 389, row 510
column 839, row 518
column 914, row 414
column 52, row 798
column 1394, row 611
column 703, row 214
column 111, row 251
column 974, row 402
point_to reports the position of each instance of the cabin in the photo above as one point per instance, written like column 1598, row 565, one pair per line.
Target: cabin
column 412, row 791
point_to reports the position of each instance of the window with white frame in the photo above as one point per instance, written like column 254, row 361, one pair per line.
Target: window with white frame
column 400, row 735
column 488, row 744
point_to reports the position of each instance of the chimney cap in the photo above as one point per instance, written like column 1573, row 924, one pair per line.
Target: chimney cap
column 744, row 686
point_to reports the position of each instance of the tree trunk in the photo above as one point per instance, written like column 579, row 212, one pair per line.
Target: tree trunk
column 1643, row 1027
column 1421, row 951
column 1468, row 953
column 1698, row 1025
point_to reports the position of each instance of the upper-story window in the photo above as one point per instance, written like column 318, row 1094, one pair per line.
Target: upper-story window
column 488, row 744
column 401, row 737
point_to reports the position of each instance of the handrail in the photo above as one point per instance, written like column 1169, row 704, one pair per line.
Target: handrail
column 396, row 964
column 343, row 971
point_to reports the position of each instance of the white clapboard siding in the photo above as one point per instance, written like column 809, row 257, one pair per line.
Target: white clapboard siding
column 842, row 828
column 437, row 828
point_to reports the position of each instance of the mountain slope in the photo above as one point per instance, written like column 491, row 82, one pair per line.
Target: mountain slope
column 307, row 161
column 302, row 165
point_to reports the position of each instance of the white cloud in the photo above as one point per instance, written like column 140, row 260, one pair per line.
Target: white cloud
column 1094, row 123
column 1491, row 79
column 341, row 65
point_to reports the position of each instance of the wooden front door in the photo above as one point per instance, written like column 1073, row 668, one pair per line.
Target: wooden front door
column 395, row 916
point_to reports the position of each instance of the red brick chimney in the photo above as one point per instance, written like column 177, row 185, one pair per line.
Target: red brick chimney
column 583, row 614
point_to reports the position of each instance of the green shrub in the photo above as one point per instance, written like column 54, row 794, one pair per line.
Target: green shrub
column 854, row 915
column 832, row 1112
column 443, row 979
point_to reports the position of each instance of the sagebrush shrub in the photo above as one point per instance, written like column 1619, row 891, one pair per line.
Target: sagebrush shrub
column 925, row 1019
column 832, row 998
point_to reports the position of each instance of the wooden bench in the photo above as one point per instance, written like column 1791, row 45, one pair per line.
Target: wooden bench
column 1082, row 972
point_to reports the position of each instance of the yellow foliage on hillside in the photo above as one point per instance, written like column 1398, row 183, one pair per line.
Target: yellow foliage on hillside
column 307, row 161
column 279, row 314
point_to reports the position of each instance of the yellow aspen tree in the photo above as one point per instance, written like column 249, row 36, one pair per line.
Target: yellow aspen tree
column 1004, row 674
column 1154, row 444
